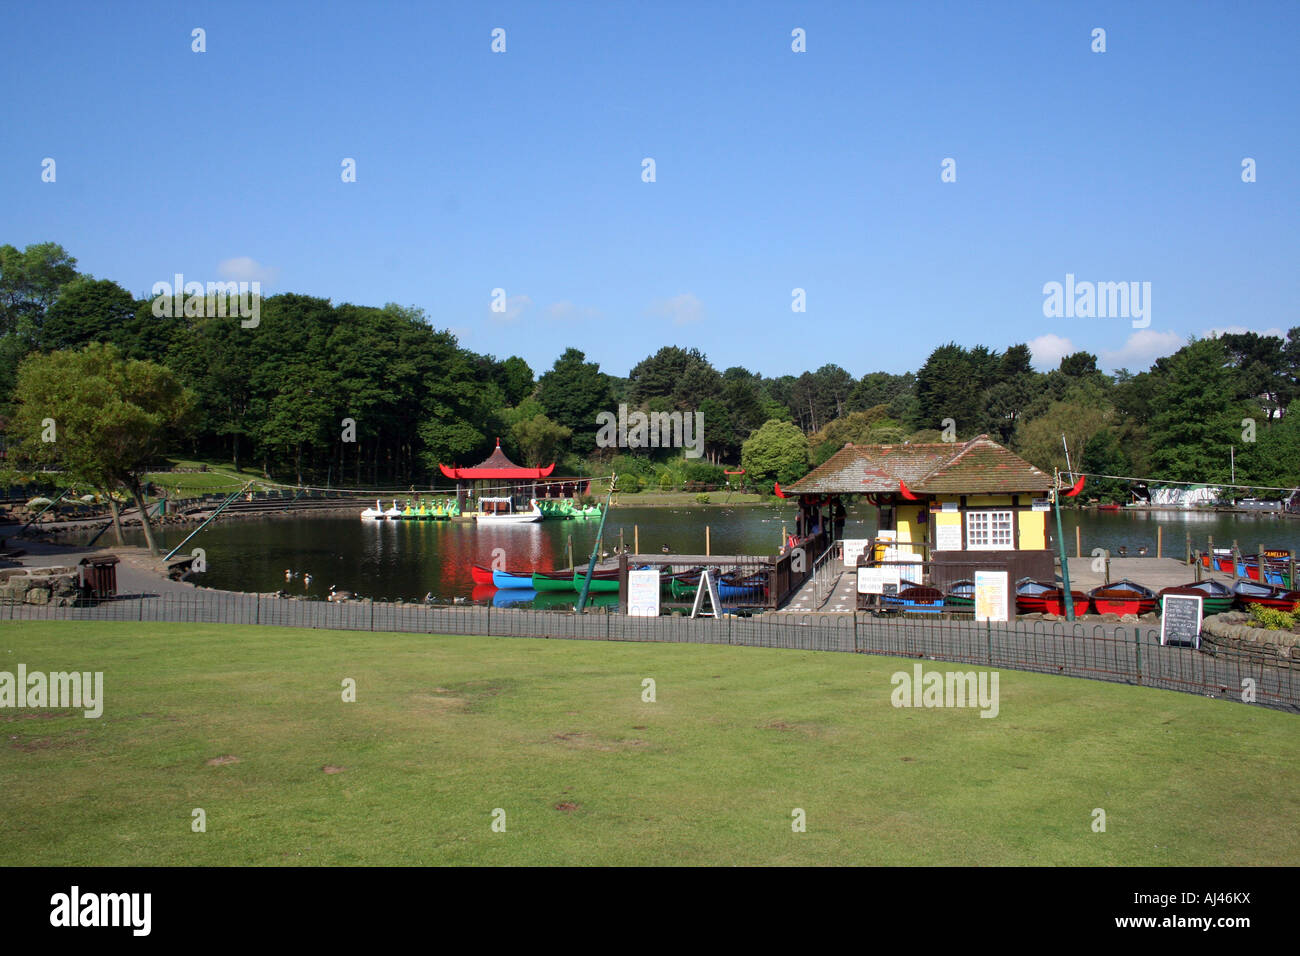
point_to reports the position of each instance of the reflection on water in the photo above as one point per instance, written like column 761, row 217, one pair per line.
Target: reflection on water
column 407, row 560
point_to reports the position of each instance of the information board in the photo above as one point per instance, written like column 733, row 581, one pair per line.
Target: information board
column 1180, row 620
column 643, row 593
column 1041, row 504
column 873, row 580
column 947, row 537
column 854, row 548
column 992, row 596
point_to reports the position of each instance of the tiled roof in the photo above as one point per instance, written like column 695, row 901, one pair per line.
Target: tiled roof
column 979, row 466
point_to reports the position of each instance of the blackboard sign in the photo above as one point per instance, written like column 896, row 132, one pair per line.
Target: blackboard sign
column 1180, row 620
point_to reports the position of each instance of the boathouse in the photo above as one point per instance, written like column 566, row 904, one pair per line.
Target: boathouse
column 499, row 477
column 955, row 506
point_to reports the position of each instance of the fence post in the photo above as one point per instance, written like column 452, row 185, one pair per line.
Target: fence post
column 258, row 618
column 372, row 614
column 988, row 634
column 1137, row 642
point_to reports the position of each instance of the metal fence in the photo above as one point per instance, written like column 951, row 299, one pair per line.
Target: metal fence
column 1131, row 655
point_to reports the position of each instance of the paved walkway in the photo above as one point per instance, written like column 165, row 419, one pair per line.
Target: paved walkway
column 842, row 599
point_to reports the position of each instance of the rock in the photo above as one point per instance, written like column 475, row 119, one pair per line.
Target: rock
column 37, row 596
column 1128, row 619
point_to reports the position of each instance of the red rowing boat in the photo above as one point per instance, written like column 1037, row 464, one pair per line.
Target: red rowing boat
column 1123, row 597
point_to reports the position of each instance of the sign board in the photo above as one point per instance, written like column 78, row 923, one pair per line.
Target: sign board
column 873, row 580
column 1180, row 620
column 643, row 593
column 913, row 575
column 854, row 548
column 950, row 507
column 1042, row 504
column 889, row 590
column 947, row 537
column 710, row 587
column 992, row 596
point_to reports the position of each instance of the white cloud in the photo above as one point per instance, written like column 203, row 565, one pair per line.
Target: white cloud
column 244, row 269
column 1214, row 333
column 566, row 310
column 1142, row 349
column 682, row 309
column 1048, row 350
column 516, row 305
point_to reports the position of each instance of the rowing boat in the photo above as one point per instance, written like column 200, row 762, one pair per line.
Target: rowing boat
column 1123, row 597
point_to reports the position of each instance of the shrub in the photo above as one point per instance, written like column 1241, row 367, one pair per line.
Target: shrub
column 1270, row 618
column 702, row 499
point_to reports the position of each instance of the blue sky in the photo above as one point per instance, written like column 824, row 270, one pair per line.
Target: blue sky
column 775, row 170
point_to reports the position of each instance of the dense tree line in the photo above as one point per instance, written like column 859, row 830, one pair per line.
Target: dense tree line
column 366, row 396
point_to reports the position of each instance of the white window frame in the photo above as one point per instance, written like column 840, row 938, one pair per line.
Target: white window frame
column 989, row 516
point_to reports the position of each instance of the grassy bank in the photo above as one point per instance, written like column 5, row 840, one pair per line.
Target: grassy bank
column 248, row 724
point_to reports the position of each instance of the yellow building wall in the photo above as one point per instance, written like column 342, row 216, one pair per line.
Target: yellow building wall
column 908, row 522
column 1033, row 530
column 1032, row 524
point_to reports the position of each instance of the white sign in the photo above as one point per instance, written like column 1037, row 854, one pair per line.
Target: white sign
column 643, row 593
column 708, row 588
column 947, row 537
column 991, row 596
column 854, row 549
column 950, row 507
column 1042, row 504
column 873, row 580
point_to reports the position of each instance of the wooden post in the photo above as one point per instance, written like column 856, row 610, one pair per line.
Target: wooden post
column 1189, row 550
column 570, row 549
column 620, row 540
column 1078, row 545
column 1108, row 567
column 1196, row 555
column 707, row 545
column 1160, row 538
column 636, row 539
column 1290, row 562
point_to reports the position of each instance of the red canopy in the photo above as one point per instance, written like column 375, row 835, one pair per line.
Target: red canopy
column 496, row 465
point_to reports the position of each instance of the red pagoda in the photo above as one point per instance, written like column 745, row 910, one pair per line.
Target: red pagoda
column 500, row 477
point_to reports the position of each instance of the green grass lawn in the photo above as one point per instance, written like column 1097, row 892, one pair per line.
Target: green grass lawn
column 446, row 729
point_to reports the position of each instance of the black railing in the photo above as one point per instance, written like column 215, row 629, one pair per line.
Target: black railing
column 1109, row 652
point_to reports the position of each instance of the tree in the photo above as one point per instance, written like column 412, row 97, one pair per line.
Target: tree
column 776, row 452
column 88, row 310
column 29, row 283
column 572, row 393
column 684, row 376
column 1194, row 414
column 538, row 438
column 111, row 417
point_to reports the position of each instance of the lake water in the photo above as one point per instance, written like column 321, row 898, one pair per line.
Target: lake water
column 406, row 560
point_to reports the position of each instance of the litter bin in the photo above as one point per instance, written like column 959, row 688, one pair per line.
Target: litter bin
column 99, row 575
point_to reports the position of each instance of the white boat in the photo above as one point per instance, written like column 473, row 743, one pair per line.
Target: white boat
column 394, row 512
column 497, row 511
column 373, row 514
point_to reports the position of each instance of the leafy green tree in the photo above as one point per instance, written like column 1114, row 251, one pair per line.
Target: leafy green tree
column 776, row 452
column 538, row 438
column 111, row 417
column 572, row 393
column 87, row 310
column 1194, row 415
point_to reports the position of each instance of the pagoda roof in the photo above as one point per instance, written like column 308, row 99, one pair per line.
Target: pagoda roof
column 496, row 465
column 978, row 466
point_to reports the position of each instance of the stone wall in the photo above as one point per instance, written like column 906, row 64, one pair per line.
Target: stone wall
column 57, row 586
column 1233, row 632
